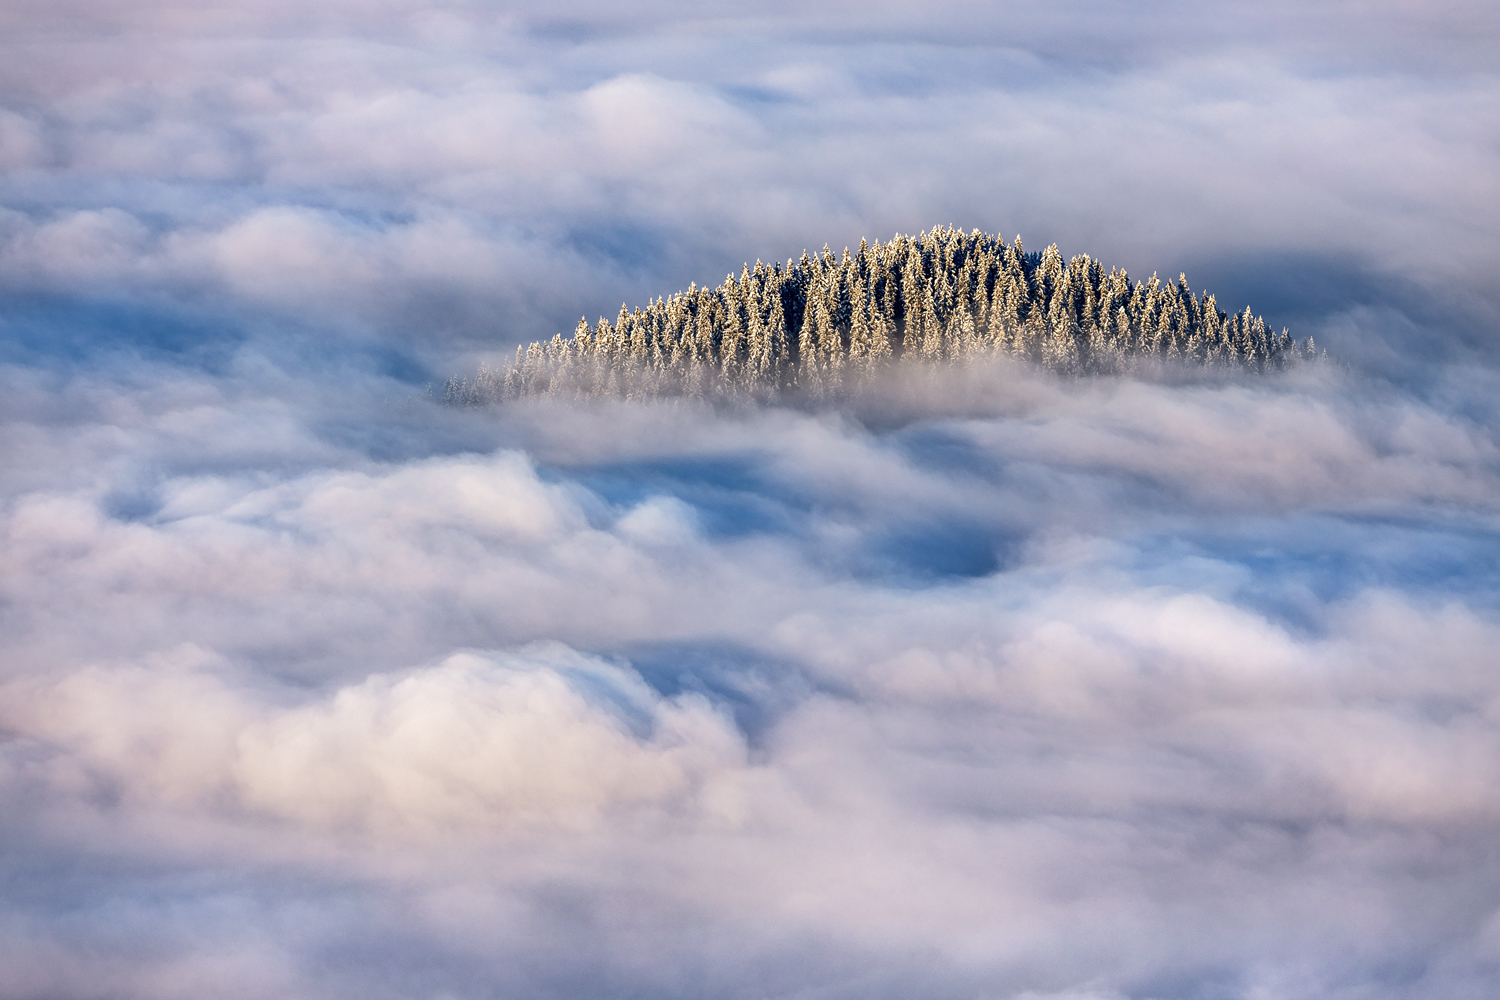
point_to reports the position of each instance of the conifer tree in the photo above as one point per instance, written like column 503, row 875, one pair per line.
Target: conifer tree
column 825, row 324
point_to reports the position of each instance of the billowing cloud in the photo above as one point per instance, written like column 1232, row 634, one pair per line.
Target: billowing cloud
column 1052, row 693
column 981, row 685
column 465, row 178
column 544, row 738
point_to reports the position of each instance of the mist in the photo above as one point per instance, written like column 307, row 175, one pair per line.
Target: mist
column 983, row 682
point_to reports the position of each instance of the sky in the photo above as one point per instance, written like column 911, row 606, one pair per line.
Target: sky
column 983, row 684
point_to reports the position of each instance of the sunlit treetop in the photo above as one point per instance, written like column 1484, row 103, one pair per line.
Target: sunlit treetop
column 822, row 325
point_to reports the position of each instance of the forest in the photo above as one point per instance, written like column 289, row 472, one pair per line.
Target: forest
column 823, row 325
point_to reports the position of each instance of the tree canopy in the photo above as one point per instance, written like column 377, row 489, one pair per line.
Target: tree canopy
column 824, row 324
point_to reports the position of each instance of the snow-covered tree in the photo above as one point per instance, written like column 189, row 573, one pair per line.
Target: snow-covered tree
column 823, row 324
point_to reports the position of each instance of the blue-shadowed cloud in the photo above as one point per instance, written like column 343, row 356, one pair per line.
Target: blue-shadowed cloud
column 981, row 685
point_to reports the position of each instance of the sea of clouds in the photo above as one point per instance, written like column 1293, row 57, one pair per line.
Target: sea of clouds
column 983, row 685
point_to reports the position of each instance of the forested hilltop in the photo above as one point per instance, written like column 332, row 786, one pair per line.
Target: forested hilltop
column 821, row 325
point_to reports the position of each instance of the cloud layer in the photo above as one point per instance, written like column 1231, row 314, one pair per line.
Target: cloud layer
column 1055, row 693
column 986, row 685
column 453, row 179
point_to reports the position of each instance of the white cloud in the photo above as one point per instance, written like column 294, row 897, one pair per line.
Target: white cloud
column 990, row 685
column 542, row 738
column 524, row 177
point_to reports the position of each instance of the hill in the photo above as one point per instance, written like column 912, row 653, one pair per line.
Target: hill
column 821, row 325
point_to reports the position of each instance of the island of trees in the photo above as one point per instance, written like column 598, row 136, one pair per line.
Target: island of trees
column 820, row 326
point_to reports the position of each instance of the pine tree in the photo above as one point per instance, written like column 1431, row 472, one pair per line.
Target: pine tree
column 944, row 296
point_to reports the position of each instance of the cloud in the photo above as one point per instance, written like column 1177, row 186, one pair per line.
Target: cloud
column 1150, row 711
column 984, row 685
column 458, row 195
column 545, row 737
